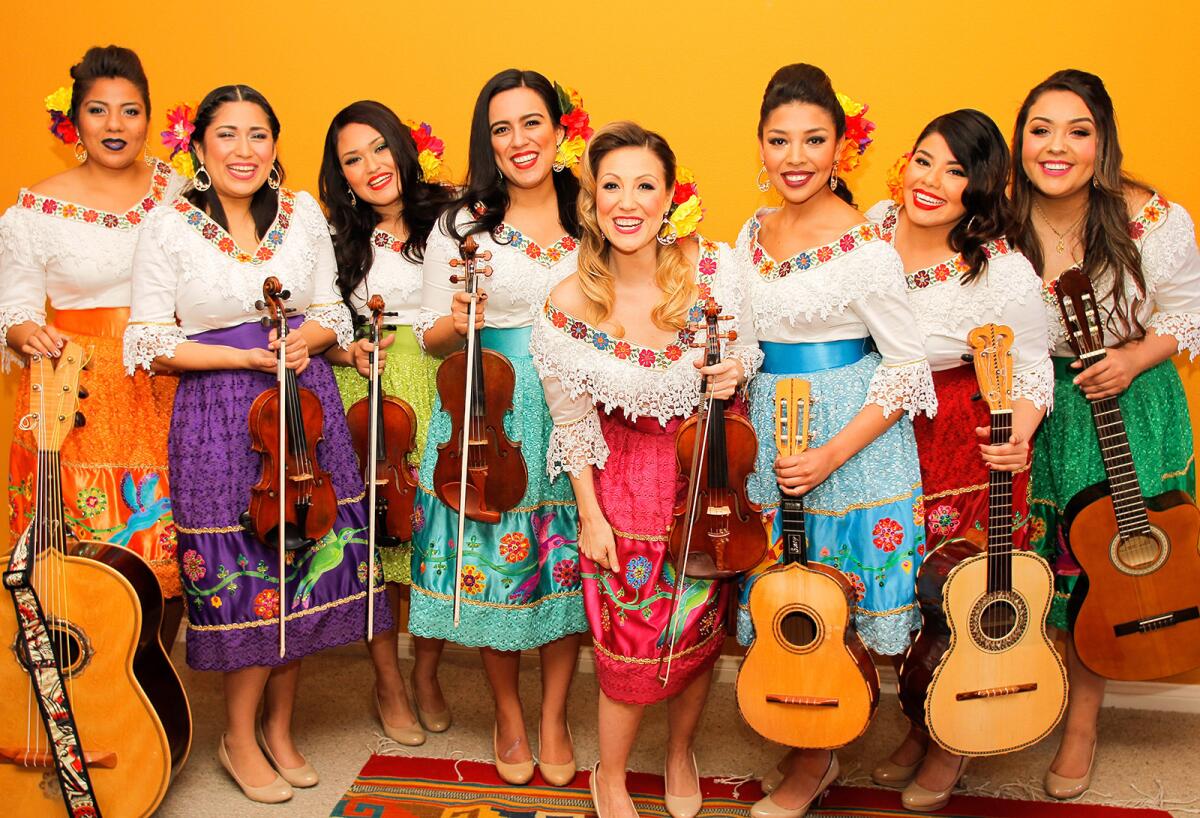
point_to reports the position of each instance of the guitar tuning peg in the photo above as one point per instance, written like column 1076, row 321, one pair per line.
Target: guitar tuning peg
column 80, row 420
column 967, row 357
column 83, row 393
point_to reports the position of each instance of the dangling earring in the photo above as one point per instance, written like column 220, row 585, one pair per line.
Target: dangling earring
column 1096, row 182
column 81, row 153
column 353, row 201
column 763, row 184
column 971, row 221
column 833, row 179
column 273, row 180
column 672, row 232
column 197, row 183
column 557, row 166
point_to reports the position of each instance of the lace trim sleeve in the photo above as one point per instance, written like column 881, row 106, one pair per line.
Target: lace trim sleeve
column 907, row 386
column 335, row 316
column 9, row 318
column 750, row 356
column 1036, row 385
column 576, row 445
column 1183, row 326
column 145, row 342
column 426, row 318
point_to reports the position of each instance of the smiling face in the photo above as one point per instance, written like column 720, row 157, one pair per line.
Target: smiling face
column 1059, row 144
column 524, row 140
column 934, row 182
column 632, row 195
column 112, row 122
column 238, row 150
column 799, row 146
column 368, row 165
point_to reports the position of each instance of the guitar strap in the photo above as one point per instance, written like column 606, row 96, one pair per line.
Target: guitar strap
column 33, row 644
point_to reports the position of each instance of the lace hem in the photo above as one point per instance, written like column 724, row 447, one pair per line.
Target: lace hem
column 1037, row 385
column 9, row 318
column 426, row 318
column 888, row 635
column 335, row 317
column 1183, row 326
column 576, row 445
column 907, row 386
column 145, row 342
column 500, row 627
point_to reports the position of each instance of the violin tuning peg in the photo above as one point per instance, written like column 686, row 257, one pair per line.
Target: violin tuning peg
column 487, row 271
column 730, row 336
column 455, row 279
column 456, row 262
column 260, row 304
column 486, row 255
column 265, row 322
column 80, row 420
column 83, row 393
column 724, row 317
column 697, row 346
column 285, row 294
column 967, row 357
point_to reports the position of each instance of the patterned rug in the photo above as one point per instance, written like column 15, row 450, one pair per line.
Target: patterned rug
column 405, row 787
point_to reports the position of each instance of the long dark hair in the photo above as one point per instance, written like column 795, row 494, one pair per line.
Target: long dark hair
column 1107, row 244
column 106, row 62
column 485, row 184
column 804, row 83
column 353, row 224
column 979, row 147
column 264, row 206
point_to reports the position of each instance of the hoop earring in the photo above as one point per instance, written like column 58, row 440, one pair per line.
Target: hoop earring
column 833, row 179
column 201, row 185
column 273, row 180
column 672, row 233
column 764, row 186
column 971, row 221
column 81, row 153
column 353, row 200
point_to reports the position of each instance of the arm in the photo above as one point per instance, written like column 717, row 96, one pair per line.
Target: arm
column 23, row 293
column 327, row 319
column 442, row 327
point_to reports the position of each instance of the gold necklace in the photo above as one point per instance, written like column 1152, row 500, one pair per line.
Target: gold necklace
column 1061, row 246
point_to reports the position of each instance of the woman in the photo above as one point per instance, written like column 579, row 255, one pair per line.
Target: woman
column 381, row 208
column 70, row 239
column 190, row 267
column 961, row 272
column 520, row 580
column 642, row 279
column 1076, row 207
column 825, row 289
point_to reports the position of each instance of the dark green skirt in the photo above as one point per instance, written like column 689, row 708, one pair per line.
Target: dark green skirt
column 1066, row 458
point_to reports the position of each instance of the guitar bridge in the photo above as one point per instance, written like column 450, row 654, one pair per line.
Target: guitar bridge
column 994, row 692
column 803, row 701
column 1157, row 623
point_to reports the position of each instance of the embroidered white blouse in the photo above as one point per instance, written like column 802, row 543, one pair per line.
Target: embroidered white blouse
column 947, row 311
column 1171, row 265
column 393, row 278
column 77, row 257
column 189, row 276
column 523, row 273
column 850, row 288
column 583, row 368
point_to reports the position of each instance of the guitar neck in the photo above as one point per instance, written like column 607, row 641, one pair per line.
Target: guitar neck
column 795, row 541
column 1000, row 512
column 1127, row 498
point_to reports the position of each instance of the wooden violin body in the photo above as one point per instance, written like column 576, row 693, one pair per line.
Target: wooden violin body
column 396, row 484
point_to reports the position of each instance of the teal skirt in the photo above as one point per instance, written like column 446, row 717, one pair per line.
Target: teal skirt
column 520, row 585
column 1066, row 459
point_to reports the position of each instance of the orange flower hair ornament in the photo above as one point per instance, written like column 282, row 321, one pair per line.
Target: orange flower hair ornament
column 858, row 134
column 575, row 121
column 895, row 177
column 430, row 150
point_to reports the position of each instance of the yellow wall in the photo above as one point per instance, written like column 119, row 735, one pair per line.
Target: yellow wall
column 693, row 70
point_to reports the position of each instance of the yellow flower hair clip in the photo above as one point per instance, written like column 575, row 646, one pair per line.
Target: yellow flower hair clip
column 858, row 133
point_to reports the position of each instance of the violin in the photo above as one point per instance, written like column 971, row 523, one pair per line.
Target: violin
column 285, row 427
column 480, row 472
column 383, row 429
column 717, row 531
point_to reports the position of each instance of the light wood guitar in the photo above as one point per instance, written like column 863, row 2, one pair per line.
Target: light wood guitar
column 1001, row 685
column 1138, row 599
column 808, row 680
column 114, row 692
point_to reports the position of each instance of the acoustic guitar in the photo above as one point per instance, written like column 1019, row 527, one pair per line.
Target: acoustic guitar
column 1138, row 600
column 808, row 680
column 107, row 718
column 1000, row 686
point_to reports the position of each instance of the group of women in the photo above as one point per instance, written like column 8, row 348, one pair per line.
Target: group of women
column 593, row 297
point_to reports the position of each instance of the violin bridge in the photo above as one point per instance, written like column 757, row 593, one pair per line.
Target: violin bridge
column 300, row 478
column 477, row 441
column 718, row 511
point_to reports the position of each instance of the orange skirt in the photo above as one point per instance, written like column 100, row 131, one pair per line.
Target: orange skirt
column 114, row 467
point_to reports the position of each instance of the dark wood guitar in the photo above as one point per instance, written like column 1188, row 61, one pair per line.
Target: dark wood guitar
column 1139, row 598
column 107, row 682
column 808, row 680
column 1000, row 686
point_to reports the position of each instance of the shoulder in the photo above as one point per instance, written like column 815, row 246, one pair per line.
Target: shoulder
column 880, row 210
column 1010, row 269
column 748, row 226
column 568, row 296
column 60, row 185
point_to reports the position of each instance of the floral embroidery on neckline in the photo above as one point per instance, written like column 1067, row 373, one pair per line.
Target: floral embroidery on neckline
column 218, row 237
column 647, row 357
column 770, row 269
column 1153, row 214
column 385, row 240
column 50, row 206
column 947, row 270
column 546, row 256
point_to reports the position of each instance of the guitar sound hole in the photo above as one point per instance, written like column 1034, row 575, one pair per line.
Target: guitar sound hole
column 69, row 644
column 799, row 629
column 1141, row 553
column 998, row 619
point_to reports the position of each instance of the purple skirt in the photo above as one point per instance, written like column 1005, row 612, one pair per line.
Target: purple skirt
column 230, row 579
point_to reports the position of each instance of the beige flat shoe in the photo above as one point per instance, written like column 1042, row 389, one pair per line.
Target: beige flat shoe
column 520, row 772
column 302, row 777
column 411, row 736
column 684, row 806
column 897, row 776
column 438, row 722
column 1063, row 788
column 918, row 799
column 767, row 808
column 276, row 792
column 557, row 775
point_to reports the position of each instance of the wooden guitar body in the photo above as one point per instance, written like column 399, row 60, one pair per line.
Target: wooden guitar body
column 1000, row 686
column 129, row 706
column 808, row 680
column 1139, row 617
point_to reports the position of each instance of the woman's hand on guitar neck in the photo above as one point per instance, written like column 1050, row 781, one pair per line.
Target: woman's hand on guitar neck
column 1010, row 456
column 31, row 339
column 799, row 474
column 1112, row 376
column 360, row 350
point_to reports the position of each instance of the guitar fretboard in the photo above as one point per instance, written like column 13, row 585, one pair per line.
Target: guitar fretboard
column 795, row 543
column 1000, row 512
column 1127, row 498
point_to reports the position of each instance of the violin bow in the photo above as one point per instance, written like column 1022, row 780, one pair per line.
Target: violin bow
column 376, row 306
column 276, row 299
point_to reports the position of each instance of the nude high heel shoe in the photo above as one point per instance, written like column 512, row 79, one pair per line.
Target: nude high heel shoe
column 897, row 776
column 594, row 785
column 303, row 776
column 918, row 799
column 411, row 736
column 276, row 792
column 438, row 722
column 1063, row 788
column 518, row 773
column 683, row 806
column 772, row 778
column 767, row 808
column 557, row 775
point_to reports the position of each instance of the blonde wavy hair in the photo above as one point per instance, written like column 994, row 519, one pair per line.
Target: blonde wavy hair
column 674, row 274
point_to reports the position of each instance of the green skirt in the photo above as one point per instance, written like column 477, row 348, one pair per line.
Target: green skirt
column 410, row 375
column 1066, row 459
